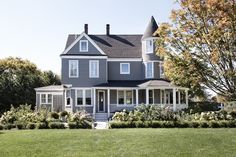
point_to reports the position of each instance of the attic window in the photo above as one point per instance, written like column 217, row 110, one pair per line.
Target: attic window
column 149, row 46
column 83, row 45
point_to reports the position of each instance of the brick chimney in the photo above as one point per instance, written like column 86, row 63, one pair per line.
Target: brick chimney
column 108, row 29
column 86, row 28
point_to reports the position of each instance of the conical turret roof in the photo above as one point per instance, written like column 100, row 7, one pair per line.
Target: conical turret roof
column 151, row 28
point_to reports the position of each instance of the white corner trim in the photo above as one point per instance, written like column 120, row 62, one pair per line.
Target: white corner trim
column 122, row 72
column 90, row 68
column 80, row 45
column 78, row 39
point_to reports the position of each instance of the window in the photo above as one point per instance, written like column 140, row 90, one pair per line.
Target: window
column 149, row 70
column 121, row 97
column 125, row 97
column 84, row 45
column 149, row 46
column 84, row 97
column 93, row 68
column 151, row 96
column 79, row 97
column 129, row 97
column 124, row 68
column 162, row 70
column 73, row 68
column 88, row 97
column 43, row 98
column 46, row 98
column 68, row 98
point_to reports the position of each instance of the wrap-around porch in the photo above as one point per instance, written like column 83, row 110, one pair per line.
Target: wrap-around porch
column 112, row 98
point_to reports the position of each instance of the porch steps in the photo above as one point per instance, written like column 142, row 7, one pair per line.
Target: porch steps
column 102, row 117
column 101, row 125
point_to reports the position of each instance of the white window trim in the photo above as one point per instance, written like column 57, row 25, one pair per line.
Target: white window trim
column 121, row 72
column 148, row 52
column 80, row 46
column 45, row 98
column 152, row 70
column 160, row 65
column 90, row 68
column 83, row 97
column 132, row 97
column 71, row 100
column 77, row 65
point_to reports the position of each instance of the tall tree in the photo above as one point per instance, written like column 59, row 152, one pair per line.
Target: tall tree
column 202, row 37
column 18, row 78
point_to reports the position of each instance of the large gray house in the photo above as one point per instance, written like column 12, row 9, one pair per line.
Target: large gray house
column 106, row 73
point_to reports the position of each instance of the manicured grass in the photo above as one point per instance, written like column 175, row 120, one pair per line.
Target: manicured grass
column 123, row 142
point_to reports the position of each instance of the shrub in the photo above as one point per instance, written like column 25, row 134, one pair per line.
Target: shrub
column 214, row 124
column 63, row 113
column 41, row 126
column 54, row 115
column 139, row 124
column 20, row 126
column 85, row 125
column 8, row 126
column 223, row 124
column 1, row 127
column 31, row 126
column 182, row 124
column 168, row 124
column 194, row 124
column 72, row 125
column 119, row 124
column 204, row 124
column 156, row 124
column 232, row 124
column 56, row 125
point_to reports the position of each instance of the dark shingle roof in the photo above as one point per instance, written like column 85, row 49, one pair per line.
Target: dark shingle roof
column 115, row 46
column 151, row 28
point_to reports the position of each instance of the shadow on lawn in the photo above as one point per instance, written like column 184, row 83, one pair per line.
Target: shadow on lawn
column 1, row 133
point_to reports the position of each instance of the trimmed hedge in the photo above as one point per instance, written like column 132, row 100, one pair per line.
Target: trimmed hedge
column 173, row 124
column 56, row 125
column 75, row 125
column 31, row 126
column 41, row 126
column 1, row 127
column 20, row 126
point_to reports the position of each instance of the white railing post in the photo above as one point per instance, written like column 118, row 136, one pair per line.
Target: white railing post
column 108, row 103
column 136, row 92
column 186, row 97
column 94, row 102
column 147, row 96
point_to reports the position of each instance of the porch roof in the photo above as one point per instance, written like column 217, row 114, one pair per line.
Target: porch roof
column 53, row 88
column 160, row 83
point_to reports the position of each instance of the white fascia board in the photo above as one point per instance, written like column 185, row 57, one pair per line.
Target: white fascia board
column 84, row 57
column 124, row 59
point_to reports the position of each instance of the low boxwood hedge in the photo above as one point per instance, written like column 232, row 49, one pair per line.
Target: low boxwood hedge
column 173, row 124
column 31, row 126
column 56, row 125
column 1, row 127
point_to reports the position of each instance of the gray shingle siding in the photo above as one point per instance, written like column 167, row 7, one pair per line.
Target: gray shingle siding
column 83, row 80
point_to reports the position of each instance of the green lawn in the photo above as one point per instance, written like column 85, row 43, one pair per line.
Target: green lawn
column 123, row 142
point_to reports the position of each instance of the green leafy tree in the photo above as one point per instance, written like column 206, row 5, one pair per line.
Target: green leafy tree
column 200, row 46
column 18, row 78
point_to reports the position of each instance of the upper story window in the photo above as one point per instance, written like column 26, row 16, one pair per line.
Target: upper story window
column 93, row 68
column 73, row 68
column 83, row 45
column 149, row 70
column 124, row 68
column 162, row 75
column 149, row 46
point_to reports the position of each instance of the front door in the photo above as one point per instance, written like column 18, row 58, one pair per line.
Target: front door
column 101, row 101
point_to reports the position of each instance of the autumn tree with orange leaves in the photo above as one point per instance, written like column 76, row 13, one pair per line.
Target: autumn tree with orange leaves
column 200, row 46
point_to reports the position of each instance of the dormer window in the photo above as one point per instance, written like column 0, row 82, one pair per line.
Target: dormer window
column 83, row 45
column 149, row 46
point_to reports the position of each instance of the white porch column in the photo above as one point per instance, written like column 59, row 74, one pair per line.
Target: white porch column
column 174, row 100
column 108, row 103
column 179, row 102
column 136, row 92
column 94, row 102
column 147, row 96
column 186, row 97
column 164, row 97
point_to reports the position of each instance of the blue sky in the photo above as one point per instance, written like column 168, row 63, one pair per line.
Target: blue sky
column 37, row 29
